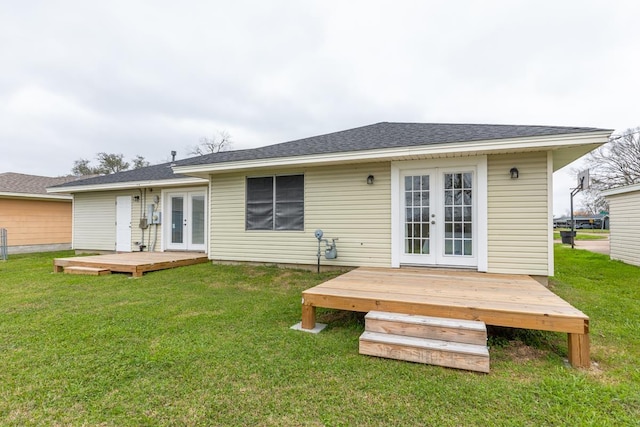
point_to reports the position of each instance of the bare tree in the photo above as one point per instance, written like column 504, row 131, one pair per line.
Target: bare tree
column 593, row 203
column 215, row 144
column 614, row 164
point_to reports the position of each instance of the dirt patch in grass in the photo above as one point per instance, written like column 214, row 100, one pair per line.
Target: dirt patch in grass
column 519, row 352
column 341, row 318
column 596, row 371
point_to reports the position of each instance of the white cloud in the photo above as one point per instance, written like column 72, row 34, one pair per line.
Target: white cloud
column 150, row 77
column 37, row 103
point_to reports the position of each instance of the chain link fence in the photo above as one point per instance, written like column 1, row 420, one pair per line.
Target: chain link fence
column 4, row 254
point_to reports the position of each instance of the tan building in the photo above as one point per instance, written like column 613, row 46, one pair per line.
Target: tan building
column 35, row 220
column 442, row 195
column 624, row 223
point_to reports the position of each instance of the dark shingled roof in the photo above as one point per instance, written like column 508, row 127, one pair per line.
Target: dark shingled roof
column 149, row 173
column 387, row 135
column 11, row 182
column 371, row 137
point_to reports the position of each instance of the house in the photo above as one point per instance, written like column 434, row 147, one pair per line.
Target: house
column 470, row 196
column 624, row 214
column 122, row 212
column 35, row 220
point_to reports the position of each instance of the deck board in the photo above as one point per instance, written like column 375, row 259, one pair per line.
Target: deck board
column 515, row 301
column 502, row 300
column 135, row 263
column 515, row 305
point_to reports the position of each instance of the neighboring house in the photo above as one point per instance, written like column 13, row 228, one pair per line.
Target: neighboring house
column 35, row 221
column 624, row 214
column 452, row 195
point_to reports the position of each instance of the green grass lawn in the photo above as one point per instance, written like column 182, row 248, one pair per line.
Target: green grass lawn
column 586, row 234
column 211, row 345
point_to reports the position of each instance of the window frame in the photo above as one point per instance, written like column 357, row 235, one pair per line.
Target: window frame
column 274, row 203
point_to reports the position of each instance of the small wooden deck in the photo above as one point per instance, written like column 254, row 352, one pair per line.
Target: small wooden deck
column 136, row 263
column 516, row 301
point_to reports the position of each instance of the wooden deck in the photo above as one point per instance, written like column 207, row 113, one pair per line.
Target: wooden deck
column 136, row 263
column 517, row 301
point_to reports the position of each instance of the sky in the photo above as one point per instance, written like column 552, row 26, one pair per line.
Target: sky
column 145, row 78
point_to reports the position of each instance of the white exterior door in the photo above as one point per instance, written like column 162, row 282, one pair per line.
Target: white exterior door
column 123, row 224
column 185, row 222
column 437, row 218
column 419, row 242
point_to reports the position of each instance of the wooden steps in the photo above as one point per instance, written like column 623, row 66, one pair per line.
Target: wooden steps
column 436, row 328
column 91, row 271
column 438, row 341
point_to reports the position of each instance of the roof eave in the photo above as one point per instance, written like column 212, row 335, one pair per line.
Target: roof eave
column 621, row 190
column 129, row 185
column 542, row 143
column 35, row 196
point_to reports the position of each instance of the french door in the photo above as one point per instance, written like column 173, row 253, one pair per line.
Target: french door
column 438, row 217
column 185, row 220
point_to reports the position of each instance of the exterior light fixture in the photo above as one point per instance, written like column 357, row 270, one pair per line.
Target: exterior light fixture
column 514, row 173
column 136, row 198
column 370, row 179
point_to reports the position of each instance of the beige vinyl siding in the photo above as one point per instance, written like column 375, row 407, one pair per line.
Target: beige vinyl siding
column 624, row 214
column 518, row 214
column 136, row 214
column 337, row 200
column 94, row 220
column 155, row 232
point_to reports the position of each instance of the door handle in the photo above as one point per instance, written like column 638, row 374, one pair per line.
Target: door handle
column 433, row 222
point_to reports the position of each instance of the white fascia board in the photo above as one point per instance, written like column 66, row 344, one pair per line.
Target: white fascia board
column 458, row 148
column 130, row 184
column 34, row 196
column 621, row 190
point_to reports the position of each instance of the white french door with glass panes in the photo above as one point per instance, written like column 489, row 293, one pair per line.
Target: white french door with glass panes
column 185, row 220
column 438, row 216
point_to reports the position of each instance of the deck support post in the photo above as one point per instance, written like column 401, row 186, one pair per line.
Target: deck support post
column 579, row 350
column 308, row 316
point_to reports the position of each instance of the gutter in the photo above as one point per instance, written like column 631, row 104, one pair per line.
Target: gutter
column 128, row 185
column 35, row 196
